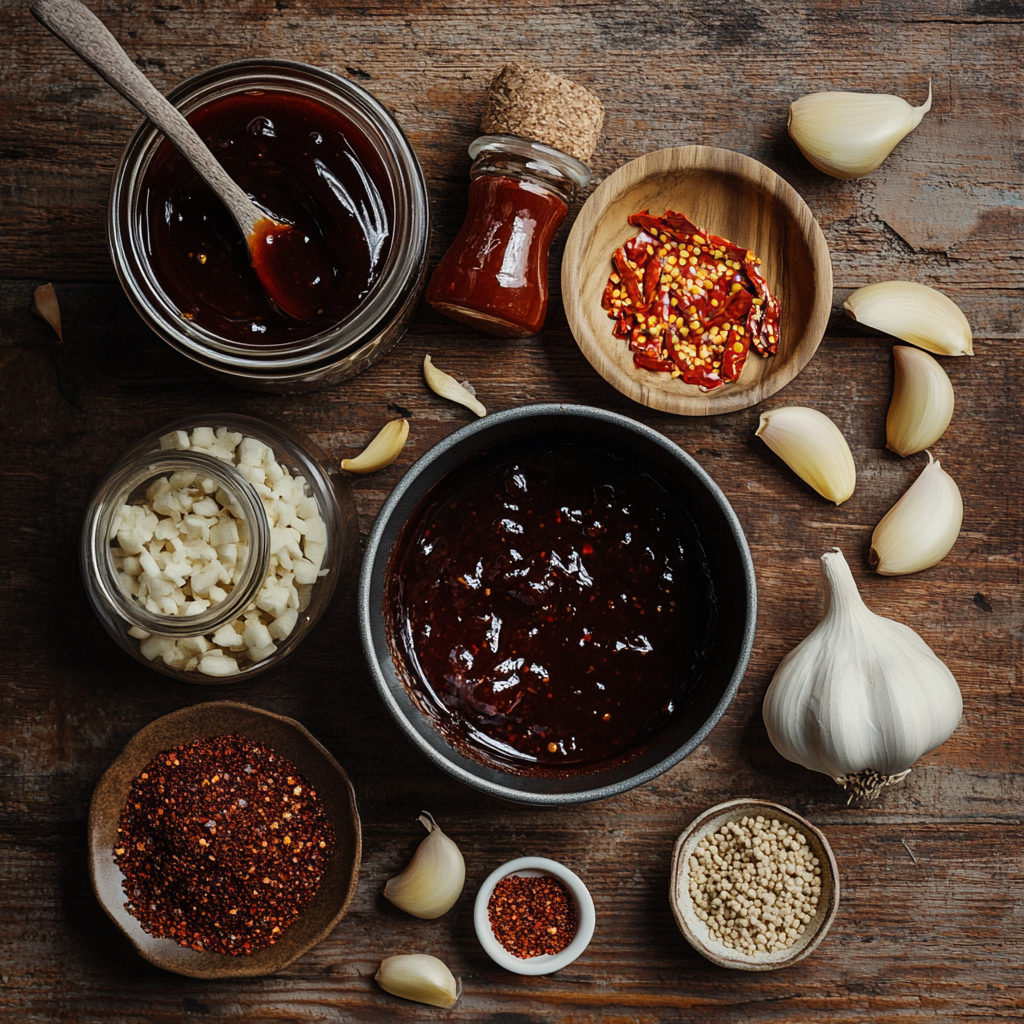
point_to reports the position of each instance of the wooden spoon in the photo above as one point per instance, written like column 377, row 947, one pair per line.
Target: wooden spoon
column 293, row 267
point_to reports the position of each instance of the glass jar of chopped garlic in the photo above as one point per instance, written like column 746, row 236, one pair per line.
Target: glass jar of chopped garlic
column 213, row 545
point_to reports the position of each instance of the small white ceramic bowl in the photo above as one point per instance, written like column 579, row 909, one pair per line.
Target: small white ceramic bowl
column 696, row 931
column 546, row 964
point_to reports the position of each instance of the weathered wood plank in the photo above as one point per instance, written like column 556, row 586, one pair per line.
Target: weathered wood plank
column 930, row 924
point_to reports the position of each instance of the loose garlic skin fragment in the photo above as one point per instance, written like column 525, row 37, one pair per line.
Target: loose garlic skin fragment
column 922, row 402
column 45, row 305
column 862, row 697
column 849, row 134
column 382, row 450
column 915, row 313
column 433, row 879
column 419, row 977
column 813, row 447
column 919, row 530
column 445, row 385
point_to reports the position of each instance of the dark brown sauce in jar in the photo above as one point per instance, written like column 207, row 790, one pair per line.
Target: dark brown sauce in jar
column 302, row 162
column 549, row 609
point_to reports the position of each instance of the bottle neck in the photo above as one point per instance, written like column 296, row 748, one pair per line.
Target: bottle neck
column 528, row 161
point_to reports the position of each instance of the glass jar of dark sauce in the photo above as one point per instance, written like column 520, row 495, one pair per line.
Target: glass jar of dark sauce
column 303, row 163
column 312, row 149
column 550, row 609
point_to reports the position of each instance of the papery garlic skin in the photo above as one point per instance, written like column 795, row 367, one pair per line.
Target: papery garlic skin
column 915, row 313
column 922, row 402
column 419, row 977
column 433, row 879
column 849, row 134
column 813, row 447
column 45, row 305
column 446, row 386
column 861, row 695
column 921, row 527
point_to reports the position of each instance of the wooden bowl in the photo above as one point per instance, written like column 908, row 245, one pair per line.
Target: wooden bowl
column 696, row 931
column 734, row 197
column 220, row 718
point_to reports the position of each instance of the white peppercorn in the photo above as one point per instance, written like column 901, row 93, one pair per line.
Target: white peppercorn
column 755, row 883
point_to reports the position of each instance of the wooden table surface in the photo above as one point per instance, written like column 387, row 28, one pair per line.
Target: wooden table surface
column 931, row 920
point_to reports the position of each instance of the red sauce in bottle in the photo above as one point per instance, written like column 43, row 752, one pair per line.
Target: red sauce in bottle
column 303, row 162
column 495, row 273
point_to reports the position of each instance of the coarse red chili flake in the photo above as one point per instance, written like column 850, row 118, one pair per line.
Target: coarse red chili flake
column 690, row 303
column 532, row 915
column 222, row 843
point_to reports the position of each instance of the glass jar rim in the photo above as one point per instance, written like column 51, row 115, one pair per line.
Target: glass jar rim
column 127, row 476
column 402, row 266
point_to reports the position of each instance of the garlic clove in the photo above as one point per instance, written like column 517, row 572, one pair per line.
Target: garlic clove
column 921, row 527
column 382, row 450
column 849, row 134
column 813, row 447
column 862, row 697
column 45, row 305
column 913, row 312
column 419, row 977
column 922, row 402
column 445, row 385
column 433, row 879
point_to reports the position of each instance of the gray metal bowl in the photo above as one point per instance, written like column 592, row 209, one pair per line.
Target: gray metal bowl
column 732, row 574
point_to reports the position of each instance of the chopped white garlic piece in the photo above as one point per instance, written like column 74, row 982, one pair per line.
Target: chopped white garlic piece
column 183, row 550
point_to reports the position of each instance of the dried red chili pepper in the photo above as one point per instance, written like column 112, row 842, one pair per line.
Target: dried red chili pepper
column 222, row 843
column 690, row 303
column 532, row 915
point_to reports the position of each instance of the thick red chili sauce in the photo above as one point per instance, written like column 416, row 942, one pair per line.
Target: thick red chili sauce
column 495, row 274
column 306, row 165
column 550, row 609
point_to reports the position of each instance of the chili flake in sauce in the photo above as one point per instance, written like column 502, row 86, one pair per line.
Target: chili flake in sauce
column 690, row 303
column 222, row 843
column 532, row 916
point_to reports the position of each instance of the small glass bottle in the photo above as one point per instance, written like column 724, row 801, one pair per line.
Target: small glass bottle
column 270, row 594
column 526, row 170
column 495, row 273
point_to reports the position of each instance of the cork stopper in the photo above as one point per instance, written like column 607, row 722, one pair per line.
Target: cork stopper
column 535, row 104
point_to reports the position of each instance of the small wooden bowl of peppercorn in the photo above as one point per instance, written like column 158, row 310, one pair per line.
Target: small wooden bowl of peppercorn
column 688, row 312
column 753, row 886
column 233, row 837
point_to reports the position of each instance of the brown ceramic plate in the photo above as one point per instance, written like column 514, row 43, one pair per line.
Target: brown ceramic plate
column 696, row 931
column 221, row 718
column 734, row 197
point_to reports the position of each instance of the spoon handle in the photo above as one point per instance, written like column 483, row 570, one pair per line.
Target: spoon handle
column 74, row 24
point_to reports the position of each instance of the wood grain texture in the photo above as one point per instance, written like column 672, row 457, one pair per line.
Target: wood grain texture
column 931, row 923
column 735, row 198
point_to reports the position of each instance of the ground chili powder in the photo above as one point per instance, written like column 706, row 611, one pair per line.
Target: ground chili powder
column 222, row 843
column 531, row 915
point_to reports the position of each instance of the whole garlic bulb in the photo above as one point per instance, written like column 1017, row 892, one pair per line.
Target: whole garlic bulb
column 862, row 697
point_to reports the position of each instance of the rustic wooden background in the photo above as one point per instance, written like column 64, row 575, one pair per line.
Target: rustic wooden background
column 931, row 921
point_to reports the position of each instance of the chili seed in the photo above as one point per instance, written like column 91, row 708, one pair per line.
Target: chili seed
column 532, row 916
column 197, row 840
